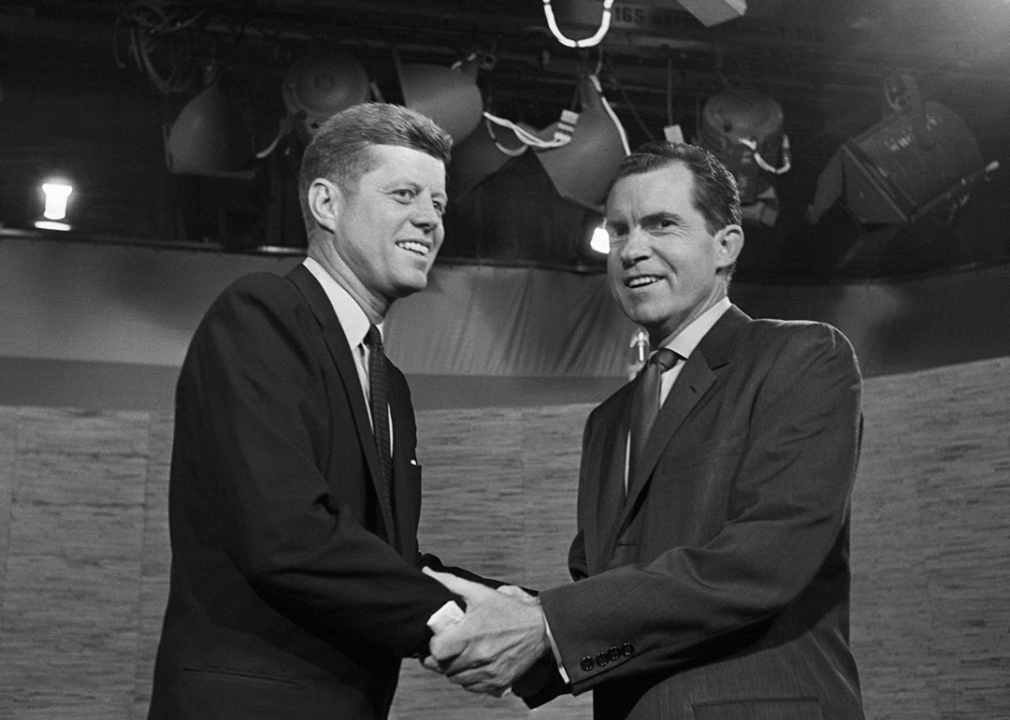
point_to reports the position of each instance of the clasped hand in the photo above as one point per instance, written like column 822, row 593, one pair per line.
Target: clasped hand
column 500, row 636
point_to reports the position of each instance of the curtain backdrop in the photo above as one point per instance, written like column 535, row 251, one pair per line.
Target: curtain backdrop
column 107, row 326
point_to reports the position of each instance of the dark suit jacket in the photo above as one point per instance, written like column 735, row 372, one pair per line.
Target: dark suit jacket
column 294, row 584
column 719, row 589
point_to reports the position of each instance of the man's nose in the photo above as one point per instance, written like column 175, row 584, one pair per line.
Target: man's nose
column 426, row 214
column 634, row 248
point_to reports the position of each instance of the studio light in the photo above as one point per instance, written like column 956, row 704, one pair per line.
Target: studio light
column 600, row 240
column 594, row 242
column 713, row 12
column 323, row 81
column 743, row 128
column 481, row 154
column 448, row 95
column 582, row 169
column 210, row 137
column 919, row 159
column 590, row 41
column 580, row 152
column 56, row 195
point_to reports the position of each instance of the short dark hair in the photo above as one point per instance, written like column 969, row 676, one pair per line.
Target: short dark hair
column 715, row 192
column 340, row 148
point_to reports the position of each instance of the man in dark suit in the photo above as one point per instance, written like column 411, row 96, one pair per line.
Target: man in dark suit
column 295, row 492
column 712, row 546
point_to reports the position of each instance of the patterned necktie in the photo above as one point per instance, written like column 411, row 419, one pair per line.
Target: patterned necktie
column 379, row 401
column 645, row 405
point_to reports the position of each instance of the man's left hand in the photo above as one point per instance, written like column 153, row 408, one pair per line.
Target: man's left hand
column 498, row 639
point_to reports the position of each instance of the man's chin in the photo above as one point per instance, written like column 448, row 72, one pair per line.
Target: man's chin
column 645, row 314
column 410, row 285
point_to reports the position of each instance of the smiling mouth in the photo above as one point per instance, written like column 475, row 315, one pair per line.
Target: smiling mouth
column 641, row 281
column 418, row 248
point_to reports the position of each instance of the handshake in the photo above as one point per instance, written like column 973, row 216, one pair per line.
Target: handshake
column 501, row 635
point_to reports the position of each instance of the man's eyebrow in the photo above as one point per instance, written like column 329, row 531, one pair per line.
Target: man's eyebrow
column 653, row 218
column 646, row 220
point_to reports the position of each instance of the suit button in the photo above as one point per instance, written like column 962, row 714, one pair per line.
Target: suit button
column 603, row 659
column 627, row 649
column 587, row 663
column 614, row 653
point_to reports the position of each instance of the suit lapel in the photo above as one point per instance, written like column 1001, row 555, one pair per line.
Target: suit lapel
column 701, row 372
column 692, row 384
column 610, row 457
column 340, row 352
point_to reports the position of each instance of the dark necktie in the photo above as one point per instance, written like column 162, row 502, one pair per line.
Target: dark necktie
column 379, row 401
column 645, row 405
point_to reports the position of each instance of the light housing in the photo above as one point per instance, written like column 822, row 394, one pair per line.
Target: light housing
column 56, row 194
column 211, row 138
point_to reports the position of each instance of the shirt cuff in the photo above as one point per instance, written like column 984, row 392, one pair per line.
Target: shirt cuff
column 445, row 617
column 557, row 653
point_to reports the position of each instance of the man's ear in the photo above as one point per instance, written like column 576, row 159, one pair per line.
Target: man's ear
column 324, row 202
column 730, row 241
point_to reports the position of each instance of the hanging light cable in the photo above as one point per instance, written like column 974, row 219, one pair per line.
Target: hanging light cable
column 587, row 42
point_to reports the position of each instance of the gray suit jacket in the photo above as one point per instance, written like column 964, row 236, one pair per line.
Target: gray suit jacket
column 719, row 588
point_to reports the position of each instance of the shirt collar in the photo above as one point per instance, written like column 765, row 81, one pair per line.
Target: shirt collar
column 687, row 339
column 352, row 318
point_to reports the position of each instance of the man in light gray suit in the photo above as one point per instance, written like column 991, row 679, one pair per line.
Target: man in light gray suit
column 711, row 556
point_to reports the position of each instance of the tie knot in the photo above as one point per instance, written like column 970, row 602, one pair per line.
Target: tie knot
column 373, row 338
column 665, row 358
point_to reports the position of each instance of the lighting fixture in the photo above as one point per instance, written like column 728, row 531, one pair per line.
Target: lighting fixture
column 587, row 42
column 56, row 195
column 600, row 240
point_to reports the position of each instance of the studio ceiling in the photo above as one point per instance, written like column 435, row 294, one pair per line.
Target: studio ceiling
column 825, row 63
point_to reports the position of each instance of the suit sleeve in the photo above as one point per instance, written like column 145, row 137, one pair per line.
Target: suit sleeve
column 788, row 512
column 255, row 405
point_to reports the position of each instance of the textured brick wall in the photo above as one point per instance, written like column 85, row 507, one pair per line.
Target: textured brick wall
column 84, row 555
column 931, row 551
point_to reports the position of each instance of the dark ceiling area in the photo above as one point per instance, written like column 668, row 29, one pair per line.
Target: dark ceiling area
column 894, row 126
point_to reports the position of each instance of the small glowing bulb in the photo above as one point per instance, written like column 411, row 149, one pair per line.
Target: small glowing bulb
column 600, row 242
column 56, row 200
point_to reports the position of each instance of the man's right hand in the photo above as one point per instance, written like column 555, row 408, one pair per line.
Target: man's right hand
column 498, row 639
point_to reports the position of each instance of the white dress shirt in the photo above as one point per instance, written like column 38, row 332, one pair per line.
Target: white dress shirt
column 355, row 324
column 684, row 343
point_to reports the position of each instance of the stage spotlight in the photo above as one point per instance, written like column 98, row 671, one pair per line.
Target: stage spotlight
column 583, row 168
column 600, row 240
column 448, row 95
column 321, row 82
column 743, row 128
column 713, row 12
column 917, row 160
column 579, row 153
column 210, row 138
column 571, row 11
column 56, row 194
column 483, row 153
column 594, row 243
